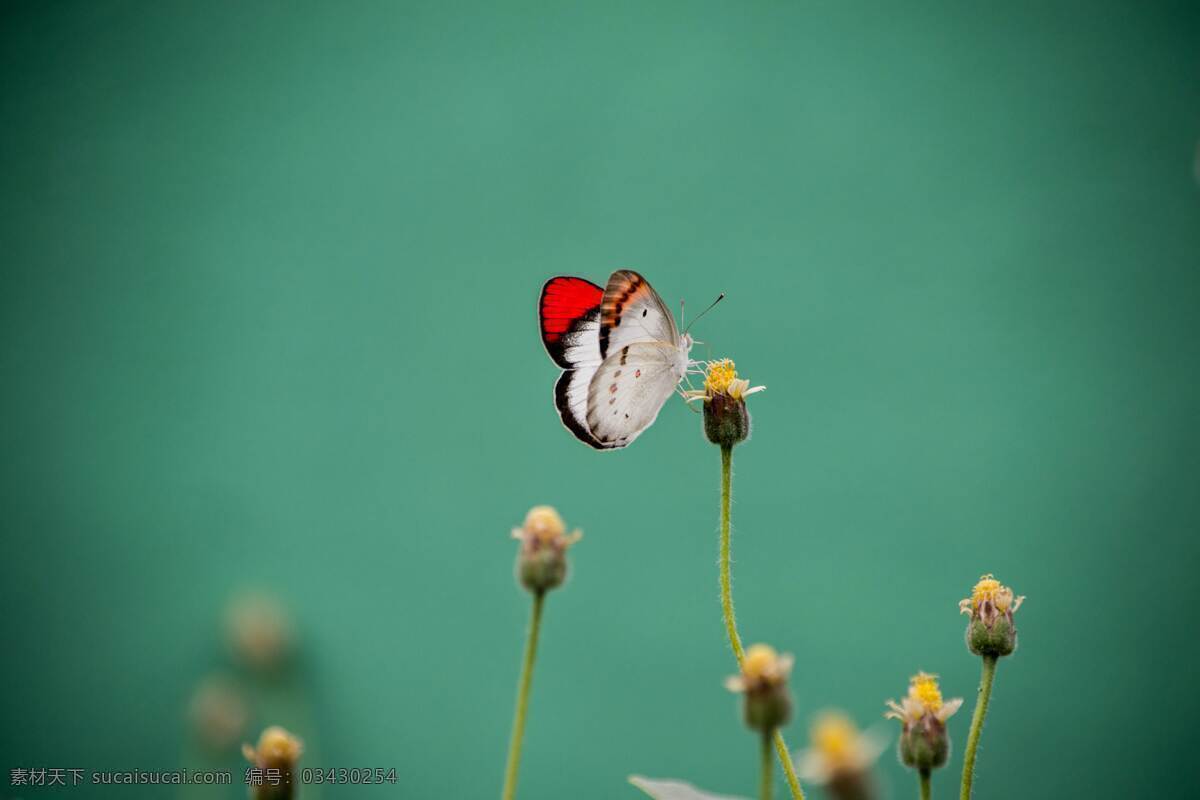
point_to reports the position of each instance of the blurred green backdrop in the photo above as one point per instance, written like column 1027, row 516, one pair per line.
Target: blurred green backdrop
column 268, row 322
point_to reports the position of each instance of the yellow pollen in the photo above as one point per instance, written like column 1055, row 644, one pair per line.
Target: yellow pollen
column 924, row 689
column 544, row 523
column 760, row 662
column 988, row 588
column 834, row 736
column 720, row 375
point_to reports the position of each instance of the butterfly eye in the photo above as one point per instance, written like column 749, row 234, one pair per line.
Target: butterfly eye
column 644, row 311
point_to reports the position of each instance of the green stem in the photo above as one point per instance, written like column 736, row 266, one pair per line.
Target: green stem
column 789, row 769
column 735, row 641
column 518, row 728
column 981, row 707
column 764, row 782
column 926, row 791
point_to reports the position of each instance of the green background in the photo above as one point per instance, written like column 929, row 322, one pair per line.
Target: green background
column 268, row 321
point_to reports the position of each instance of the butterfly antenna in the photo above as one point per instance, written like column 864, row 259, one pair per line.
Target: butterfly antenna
column 720, row 297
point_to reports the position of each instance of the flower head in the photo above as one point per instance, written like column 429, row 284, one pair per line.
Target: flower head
column 276, row 754
column 721, row 378
column 726, row 420
column 218, row 713
column 991, row 630
column 923, row 714
column 259, row 630
column 542, row 556
column 763, row 684
column 841, row 756
column 924, row 698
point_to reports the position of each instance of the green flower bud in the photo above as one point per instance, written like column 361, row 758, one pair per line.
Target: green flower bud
column 766, row 701
column 726, row 420
column 924, row 743
column 542, row 556
column 991, row 630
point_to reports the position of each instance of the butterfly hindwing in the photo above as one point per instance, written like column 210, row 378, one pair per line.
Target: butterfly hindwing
column 628, row 390
column 571, row 399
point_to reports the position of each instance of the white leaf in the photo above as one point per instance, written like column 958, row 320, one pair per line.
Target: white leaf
column 661, row 789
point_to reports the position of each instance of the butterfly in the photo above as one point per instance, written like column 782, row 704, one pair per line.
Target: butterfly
column 620, row 351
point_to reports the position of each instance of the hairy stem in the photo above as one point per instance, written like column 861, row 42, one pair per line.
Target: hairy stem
column 981, row 707
column 735, row 641
column 518, row 727
column 926, row 790
column 765, row 774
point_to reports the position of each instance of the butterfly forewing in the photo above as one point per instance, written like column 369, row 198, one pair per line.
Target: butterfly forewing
column 569, row 317
column 631, row 311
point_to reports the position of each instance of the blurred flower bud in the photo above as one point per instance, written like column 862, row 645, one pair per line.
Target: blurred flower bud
column 924, row 743
column 991, row 631
column 276, row 757
column 260, row 632
column 218, row 714
column 766, row 701
column 841, row 757
column 542, row 556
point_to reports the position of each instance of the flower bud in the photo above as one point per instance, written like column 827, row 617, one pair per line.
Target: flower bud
column 260, row 632
column 924, row 743
column 991, row 631
column 542, row 556
column 766, row 701
column 726, row 420
column 274, row 763
column 218, row 713
column 841, row 757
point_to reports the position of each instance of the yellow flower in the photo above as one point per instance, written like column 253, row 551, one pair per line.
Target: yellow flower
column 766, row 701
column 988, row 597
column 542, row 556
column 924, row 699
column 991, row 631
column 721, row 378
column 218, row 712
column 277, row 749
column 762, row 667
column 924, row 743
column 260, row 631
column 726, row 419
column 839, row 750
column 544, row 527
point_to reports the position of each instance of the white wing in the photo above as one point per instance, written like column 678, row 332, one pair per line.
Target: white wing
column 627, row 391
column 581, row 348
column 632, row 312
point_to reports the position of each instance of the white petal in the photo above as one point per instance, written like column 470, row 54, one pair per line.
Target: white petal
column 948, row 708
column 872, row 743
column 786, row 661
column 812, row 766
column 661, row 789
